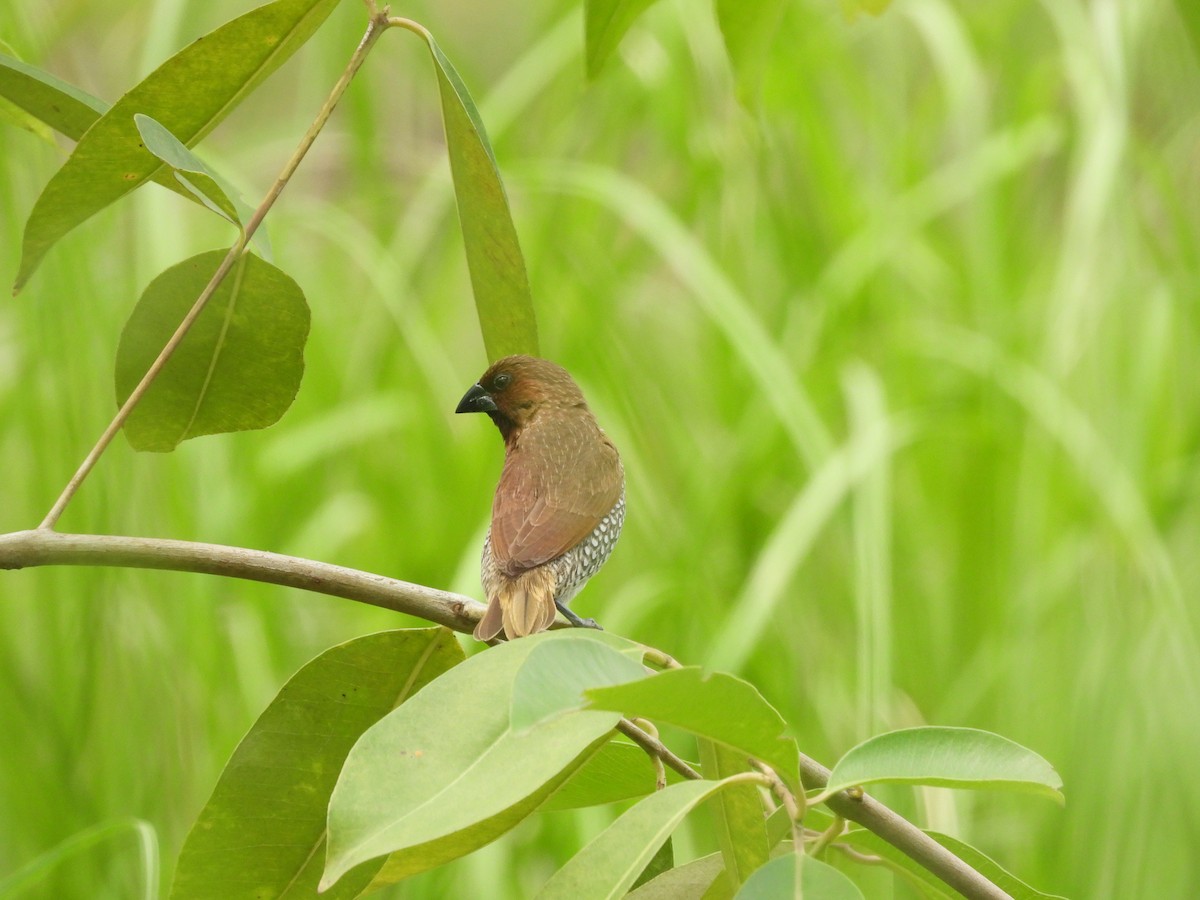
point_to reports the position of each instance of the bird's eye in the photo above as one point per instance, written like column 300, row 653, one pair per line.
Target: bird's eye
column 501, row 381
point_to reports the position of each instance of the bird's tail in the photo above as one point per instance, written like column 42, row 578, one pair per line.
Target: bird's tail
column 521, row 605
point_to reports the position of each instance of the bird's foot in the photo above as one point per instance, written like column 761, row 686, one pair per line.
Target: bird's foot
column 575, row 620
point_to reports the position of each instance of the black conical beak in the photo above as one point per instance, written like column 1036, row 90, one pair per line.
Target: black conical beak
column 476, row 400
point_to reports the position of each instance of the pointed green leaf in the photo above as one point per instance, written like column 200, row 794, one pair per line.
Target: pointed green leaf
column 819, row 881
column 552, row 680
column 189, row 94
column 749, row 28
column 202, row 181
column 262, row 833
column 738, row 813
column 686, row 882
column 238, row 368
column 503, row 300
column 447, row 773
column 619, row 770
column 946, row 757
column 605, row 23
column 610, row 863
column 718, row 706
column 62, row 106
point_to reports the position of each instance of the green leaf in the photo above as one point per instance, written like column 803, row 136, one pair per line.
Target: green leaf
column 946, row 757
column 749, row 28
column 610, row 863
column 238, row 368
column 62, row 106
column 189, row 94
column 619, row 770
column 686, row 882
column 738, row 813
column 818, row 880
column 203, row 184
column 605, row 23
column 503, row 300
column 71, row 111
column 552, row 680
column 262, row 833
column 446, row 773
column 719, row 707
column 663, row 860
column 930, row 883
column 203, row 181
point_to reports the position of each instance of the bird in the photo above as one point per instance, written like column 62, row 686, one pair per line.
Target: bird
column 560, row 502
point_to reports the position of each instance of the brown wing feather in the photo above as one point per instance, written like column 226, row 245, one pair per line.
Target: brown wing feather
column 560, row 478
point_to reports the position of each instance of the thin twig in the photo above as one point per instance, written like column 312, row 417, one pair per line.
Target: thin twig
column 375, row 27
column 655, row 747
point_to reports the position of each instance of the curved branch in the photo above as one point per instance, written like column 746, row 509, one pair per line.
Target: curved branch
column 43, row 547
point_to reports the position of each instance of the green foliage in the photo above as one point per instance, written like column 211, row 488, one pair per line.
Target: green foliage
column 716, row 706
column 47, row 99
column 190, row 94
column 990, row 223
column 617, row 771
column 738, row 813
column 502, row 297
column 609, row 865
column 795, row 876
column 262, row 833
column 239, row 366
column 947, row 757
column 929, row 886
column 449, row 772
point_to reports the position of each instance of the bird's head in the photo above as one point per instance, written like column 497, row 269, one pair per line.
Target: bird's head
column 516, row 388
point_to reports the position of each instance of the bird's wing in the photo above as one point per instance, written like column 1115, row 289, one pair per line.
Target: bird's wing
column 559, row 480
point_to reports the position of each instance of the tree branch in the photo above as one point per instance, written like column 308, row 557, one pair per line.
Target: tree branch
column 42, row 547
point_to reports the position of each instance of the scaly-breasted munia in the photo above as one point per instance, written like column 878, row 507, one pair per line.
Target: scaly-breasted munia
column 560, row 502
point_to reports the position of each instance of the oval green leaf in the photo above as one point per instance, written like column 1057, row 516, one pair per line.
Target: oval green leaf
column 777, row 880
column 946, row 757
column 190, row 94
column 262, row 833
column 718, row 706
column 447, row 773
column 239, row 366
column 499, row 280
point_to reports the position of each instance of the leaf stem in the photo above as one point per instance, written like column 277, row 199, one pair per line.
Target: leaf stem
column 377, row 24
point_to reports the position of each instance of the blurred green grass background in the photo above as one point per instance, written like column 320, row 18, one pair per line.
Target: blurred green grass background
column 903, row 367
